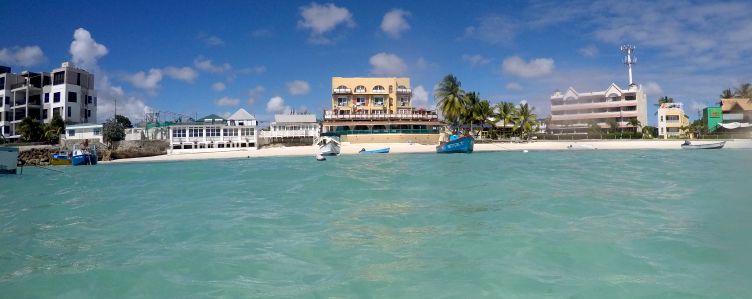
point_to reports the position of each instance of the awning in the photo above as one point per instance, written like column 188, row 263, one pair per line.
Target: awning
column 734, row 125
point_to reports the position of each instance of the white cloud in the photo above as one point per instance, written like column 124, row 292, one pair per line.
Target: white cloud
column 210, row 40
column 538, row 67
column 298, row 87
column 513, row 86
column 589, row 51
column 22, row 56
column 85, row 50
column 277, row 105
column 493, row 30
column 476, row 59
column 424, row 64
column 255, row 70
column 219, row 86
column 180, row 73
column 420, row 97
column 652, row 89
column 263, row 32
column 322, row 18
column 206, row 65
column 394, row 22
column 696, row 106
column 226, row 101
column 254, row 94
column 387, row 64
column 149, row 82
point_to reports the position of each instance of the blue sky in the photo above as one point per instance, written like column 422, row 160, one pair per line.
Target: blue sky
column 197, row 58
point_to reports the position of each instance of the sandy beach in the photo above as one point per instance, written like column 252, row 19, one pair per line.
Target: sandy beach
column 405, row 148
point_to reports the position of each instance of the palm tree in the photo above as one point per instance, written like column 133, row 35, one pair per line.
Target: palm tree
column 506, row 113
column 472, row 99
column 727, row 94
column 744, row 91
column 635, row 123
column 525, row 118
column 30, row 129
column 450, row 98
column 647, row 132
column 664, row 99
column 482, row 112
column 612, row 125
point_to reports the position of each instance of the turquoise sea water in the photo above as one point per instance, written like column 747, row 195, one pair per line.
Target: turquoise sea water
column 586, row 224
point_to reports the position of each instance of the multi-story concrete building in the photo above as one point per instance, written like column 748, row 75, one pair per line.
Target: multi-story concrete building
column 66, row 91
column 573, row 112
column 379, row 107
column 671, row 118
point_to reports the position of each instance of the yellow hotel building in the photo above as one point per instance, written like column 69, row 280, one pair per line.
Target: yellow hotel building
column 376, row 105
column 671, row 118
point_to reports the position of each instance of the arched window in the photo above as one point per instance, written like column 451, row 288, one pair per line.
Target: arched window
column 341, row 87
column 360, row 88
column 378, row 88
column 401, row 87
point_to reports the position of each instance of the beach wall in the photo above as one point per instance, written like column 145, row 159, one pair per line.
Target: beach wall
column 392, row 138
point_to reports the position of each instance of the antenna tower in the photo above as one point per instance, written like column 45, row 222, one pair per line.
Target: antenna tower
column 629, row 59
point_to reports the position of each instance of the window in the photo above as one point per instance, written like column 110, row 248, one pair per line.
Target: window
column 614, row 97
column 360, row 101
column 342, row 101
column 58, row 78
column 195, row 132
column 97, row 131
column 178, row 132
column 78, row 79
column 46, row 97
column 360, row 88
column 2, row 83
column 378, row 101
column 230, row 132
column 661, row 117
column 89, row 99
column 56, row 97
column 69, row 111
column 88, row 113
column 246, row 132
column 71, row 133
column 630, row 98
column 44, row 113
column 212, row 132
column 378, row 88
column 72, row 97
column 404, row 101
column 95, row 101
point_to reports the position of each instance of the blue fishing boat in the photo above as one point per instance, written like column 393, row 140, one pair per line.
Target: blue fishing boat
column 84, row 156
column 456, row 144
column 376, row 151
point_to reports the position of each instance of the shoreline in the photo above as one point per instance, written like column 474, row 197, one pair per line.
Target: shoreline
column 405, row 148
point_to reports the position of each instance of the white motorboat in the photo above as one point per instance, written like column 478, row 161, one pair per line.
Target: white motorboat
column 8, row 160
column 328, row 144
column 716, row 145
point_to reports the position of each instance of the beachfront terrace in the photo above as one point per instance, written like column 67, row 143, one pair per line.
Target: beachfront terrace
column 425, row 116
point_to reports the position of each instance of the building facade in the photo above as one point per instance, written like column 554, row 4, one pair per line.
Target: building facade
column 67, row 91
column 671, row 118
column 91, row 132
column 732, row 116
column 213, row 133
column 574, row 112
column 378, row 105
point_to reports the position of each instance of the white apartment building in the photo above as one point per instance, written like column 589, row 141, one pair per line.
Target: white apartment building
column 293, row 125
column 213, row 133
column 573, row 112
column 67, row 91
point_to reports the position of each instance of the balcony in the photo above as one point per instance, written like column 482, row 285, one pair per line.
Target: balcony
column 404, row 91
column 22, row 86
column 429, row 116
column 593, row 105
column 341, row 91
column 584, row 116
column 289, row 133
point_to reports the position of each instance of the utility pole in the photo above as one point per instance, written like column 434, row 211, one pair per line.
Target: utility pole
column 629, row 60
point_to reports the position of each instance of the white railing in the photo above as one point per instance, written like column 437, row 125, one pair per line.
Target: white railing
column 289, row 133
column 398, row 116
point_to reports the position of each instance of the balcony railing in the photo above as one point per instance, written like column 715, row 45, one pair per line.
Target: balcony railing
column 404, row 90
column 289, row 133
column 398, row 116
column 341, row 91
column 388, row 131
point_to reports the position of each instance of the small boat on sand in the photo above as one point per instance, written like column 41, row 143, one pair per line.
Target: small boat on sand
column 456, row 144
column 376, row 151
column 328, row 144
column 60, row 158
column 716, row 145
column 8, row 160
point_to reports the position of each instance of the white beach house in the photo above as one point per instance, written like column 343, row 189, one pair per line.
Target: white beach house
column 92, row 132
column 213, row 133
